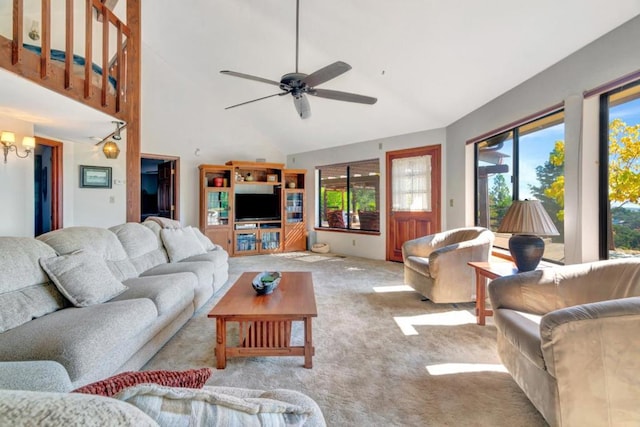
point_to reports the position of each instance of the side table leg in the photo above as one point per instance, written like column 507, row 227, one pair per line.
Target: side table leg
column 481, row 287
column 221, row 343
column 308, row 344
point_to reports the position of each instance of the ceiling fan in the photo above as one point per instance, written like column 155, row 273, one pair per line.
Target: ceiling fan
column 299, row 84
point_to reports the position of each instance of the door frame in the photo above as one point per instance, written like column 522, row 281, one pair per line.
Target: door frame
column 176, row 179
column 436, row 190
column 56, row 180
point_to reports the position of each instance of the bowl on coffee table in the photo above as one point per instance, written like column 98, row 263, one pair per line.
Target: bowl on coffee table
column 266, row 282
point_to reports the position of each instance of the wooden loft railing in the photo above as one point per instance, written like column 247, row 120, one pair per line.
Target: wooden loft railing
column 87, row 87
column 124, row 67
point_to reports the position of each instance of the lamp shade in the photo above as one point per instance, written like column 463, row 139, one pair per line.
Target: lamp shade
column 28, row 143
column 111, row 150
column 528, row 217
column 8, row 137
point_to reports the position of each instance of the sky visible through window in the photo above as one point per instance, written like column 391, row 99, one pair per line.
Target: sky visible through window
column 629, row 113
column 534, row 151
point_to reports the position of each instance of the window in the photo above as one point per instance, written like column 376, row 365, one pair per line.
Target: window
column 525, row 162
column 349, row 196
column 620, row 172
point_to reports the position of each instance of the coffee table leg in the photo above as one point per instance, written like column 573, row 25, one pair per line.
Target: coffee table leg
column 481, row 286
column 221, row 343
column 308, row 344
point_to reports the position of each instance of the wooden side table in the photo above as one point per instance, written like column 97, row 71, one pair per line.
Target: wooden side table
column 488, row 271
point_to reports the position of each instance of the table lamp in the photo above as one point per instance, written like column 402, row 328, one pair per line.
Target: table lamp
column 527, row 220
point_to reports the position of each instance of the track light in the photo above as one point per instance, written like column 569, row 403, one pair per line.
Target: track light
column 116, row 134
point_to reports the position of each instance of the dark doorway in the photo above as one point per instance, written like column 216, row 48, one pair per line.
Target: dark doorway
column 159, row 186
column 47, row 197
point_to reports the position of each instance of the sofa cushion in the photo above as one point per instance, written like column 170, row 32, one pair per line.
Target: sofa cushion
column 90, row 342
column 206, row 243
column 95, row 239
column 522, row 330
column 204, row 271
column 180, row 243
column 143, row 246
column 30, row 408
column 219, row 257
column 191, row 378
column 25, row 290
column 83, row 277
column 177, row 406
column 419, row 264
column 170, row 293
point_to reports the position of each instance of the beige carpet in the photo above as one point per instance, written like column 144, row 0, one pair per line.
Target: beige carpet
column 383, row 356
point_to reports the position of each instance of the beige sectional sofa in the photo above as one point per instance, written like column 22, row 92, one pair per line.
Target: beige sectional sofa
column 81, row 304
column 38, row 321
column 569, row 337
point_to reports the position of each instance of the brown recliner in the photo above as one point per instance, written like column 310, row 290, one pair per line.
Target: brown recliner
column 436, row 265
column 570, row 337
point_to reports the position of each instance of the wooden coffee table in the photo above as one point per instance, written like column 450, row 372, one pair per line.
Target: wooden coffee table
column 264, row 322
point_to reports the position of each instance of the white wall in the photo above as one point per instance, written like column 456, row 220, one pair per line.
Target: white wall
column 96, row 207
column 175, row 116
column 608, row 58
column 367, row 246
column 16, row 191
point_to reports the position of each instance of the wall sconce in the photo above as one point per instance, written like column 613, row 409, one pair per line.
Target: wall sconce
column 111, row 150
column 8, row 140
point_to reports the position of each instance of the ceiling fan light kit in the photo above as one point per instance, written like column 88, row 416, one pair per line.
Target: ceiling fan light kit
column 299, row 84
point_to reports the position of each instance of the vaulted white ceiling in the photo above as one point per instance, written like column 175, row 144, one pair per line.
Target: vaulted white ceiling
column 428, row 62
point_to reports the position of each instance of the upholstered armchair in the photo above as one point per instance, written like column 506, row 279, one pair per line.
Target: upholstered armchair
column 570, row 337
column 436, row 265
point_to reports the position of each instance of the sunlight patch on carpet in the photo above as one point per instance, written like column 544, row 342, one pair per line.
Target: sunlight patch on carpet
column 447, row 318
column 460, row 368
column 398, row 288
column 291, row 254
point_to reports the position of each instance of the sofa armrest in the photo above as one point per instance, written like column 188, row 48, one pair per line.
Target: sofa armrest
column 40, row 375
column 593, row 351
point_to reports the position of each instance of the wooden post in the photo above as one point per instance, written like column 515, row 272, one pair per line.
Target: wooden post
column 133, row 120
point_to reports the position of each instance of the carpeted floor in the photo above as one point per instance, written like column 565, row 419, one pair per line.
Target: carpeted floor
column 383, row 356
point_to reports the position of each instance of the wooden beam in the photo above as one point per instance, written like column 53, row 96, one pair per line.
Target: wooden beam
column 133, row 100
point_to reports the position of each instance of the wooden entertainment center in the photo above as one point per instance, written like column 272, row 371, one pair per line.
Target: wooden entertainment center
column 268, row 216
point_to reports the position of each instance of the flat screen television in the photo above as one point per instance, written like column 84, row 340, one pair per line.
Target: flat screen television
column 254, row 207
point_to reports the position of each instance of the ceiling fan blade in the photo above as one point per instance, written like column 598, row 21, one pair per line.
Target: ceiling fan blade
column 302, row 105
column 343, row 96
column 250, row 77
column 258, row 99
column 327, row 73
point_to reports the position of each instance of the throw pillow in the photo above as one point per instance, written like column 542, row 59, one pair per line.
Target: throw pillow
column 192, row 378
column 82, row 277
column 180, row 243
column 204, row 240
column 173, row 406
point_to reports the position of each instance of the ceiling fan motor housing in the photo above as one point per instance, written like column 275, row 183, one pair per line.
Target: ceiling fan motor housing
column 292, row 81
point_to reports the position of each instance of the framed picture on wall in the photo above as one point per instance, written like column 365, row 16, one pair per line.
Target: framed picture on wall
column 95, row 176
